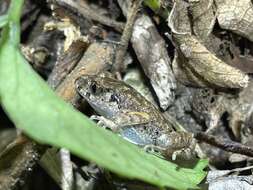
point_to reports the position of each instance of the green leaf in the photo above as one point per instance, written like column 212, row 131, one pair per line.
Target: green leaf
column 35, row 109
column 201, row 165
column 156, row 7
column 3, row 20
column 153, row 4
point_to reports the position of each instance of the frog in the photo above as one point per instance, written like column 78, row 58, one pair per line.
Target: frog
column 126, row 112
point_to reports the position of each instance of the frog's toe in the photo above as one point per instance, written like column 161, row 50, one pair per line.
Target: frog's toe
column 101, row 121
column 153, row 148
column 104, row 122
column 186, row 154
column 95, row 117
column 101, row 124
column 148, row 148
column 175, row 154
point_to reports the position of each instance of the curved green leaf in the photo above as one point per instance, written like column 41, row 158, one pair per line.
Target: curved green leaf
column 3, row 20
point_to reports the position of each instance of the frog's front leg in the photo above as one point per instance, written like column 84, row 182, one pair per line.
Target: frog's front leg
column 122, row 120
column 176, row 144
column 105, row 123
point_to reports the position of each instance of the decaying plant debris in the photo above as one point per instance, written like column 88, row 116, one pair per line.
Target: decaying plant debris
column 192, row 59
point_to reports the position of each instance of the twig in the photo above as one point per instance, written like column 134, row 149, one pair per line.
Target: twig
column 126, row 35
column 66, row 62
column 82, row 9
column 17, row 161
column 226, row 145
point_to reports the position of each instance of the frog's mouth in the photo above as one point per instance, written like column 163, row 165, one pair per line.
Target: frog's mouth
column 87, row 94
column 102, row 109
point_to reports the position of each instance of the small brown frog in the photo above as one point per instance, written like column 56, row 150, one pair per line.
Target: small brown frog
column 125, row 111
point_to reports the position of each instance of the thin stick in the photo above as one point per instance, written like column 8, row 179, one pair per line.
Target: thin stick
column 226, row 145
column 82, row 9
column 126, row 35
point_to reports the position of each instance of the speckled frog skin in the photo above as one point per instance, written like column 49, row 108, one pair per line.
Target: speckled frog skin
column 128, row 113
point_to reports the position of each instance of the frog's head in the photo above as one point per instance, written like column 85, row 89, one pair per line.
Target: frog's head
column 101, row 93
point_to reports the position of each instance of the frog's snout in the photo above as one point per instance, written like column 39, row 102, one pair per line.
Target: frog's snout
column 81, row 82
column 86, row 86
column 81, row 85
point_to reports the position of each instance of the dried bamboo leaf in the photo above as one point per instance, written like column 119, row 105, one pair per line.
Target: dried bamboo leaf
column 178, row 19
column 152, row 54
column 71, row 32
column 206, row 66
column 236, row 16
column 197, row 18
column 184, row 74
column 203, row 17
column 196, row 61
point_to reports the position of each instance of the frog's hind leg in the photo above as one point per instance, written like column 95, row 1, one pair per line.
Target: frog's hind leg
column 185, row 153
column 153, row 149
column 176, row 144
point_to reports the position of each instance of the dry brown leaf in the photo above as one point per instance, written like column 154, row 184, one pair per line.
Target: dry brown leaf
column 236, row 16
column 196, row 61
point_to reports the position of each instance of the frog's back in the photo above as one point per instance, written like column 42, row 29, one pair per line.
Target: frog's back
column 134, row 102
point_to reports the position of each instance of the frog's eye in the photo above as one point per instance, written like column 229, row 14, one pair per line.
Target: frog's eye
column 93, row 88
column 114, row 98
